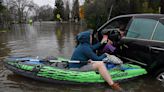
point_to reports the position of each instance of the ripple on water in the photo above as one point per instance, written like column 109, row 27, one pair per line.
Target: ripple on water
column 5, row 82
column 47, row 39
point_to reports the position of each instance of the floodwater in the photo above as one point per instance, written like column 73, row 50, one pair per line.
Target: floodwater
column 52, row 39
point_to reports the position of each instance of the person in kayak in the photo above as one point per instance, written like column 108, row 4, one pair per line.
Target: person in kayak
column 84, row 51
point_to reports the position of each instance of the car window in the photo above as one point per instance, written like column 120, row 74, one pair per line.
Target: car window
column 117, row 22
column 113, row 24
column 158, row 35
column 141, row 28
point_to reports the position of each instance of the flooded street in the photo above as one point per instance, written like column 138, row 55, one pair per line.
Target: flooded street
column 52, row 39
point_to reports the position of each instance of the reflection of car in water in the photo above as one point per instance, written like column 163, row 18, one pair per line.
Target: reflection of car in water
column 143, row 41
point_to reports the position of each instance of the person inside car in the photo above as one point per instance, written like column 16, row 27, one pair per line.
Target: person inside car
column 115, row 35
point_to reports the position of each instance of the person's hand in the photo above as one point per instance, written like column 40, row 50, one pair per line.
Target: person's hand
column 104, row 39
column 89, row 61
column 110, row 42
column 107, row 55
column 122, row 33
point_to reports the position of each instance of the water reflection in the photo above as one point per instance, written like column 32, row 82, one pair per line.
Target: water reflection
column 52, row 39
column 30, row 85
column 4, row 50
column 48, row 40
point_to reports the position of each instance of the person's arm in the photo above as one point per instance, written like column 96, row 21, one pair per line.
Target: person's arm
column 91, row 55
column 96, row 46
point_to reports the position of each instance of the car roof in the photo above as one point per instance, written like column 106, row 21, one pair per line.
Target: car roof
column 154, row 16
column 143, row 15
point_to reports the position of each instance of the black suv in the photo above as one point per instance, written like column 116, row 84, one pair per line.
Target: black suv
column 143, row 41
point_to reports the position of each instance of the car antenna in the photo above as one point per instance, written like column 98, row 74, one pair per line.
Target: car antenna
column 110, row 12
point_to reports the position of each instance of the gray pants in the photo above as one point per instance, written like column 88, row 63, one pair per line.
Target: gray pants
column 85, row 68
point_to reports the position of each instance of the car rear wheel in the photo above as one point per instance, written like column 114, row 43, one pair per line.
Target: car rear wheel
column 160, row 75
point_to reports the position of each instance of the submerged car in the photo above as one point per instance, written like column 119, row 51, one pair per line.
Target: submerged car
column 143, row 40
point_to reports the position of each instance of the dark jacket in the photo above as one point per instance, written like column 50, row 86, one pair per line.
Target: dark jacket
column 84, row 51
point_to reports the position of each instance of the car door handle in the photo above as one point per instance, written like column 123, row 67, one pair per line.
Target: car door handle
column 156, row 49
column 126, row 46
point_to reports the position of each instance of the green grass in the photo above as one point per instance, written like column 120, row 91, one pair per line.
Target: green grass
column 3, row 30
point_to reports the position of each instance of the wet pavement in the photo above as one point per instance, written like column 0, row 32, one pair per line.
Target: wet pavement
column 52, row 39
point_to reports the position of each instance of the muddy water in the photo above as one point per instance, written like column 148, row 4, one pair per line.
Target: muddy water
column 52, row 39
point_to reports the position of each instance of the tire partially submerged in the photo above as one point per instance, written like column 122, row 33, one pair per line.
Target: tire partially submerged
column 44, row 71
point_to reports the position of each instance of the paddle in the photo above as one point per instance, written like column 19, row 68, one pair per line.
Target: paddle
column 109, row 59
column 65, row 61
column 74, row 61
column 84, row 62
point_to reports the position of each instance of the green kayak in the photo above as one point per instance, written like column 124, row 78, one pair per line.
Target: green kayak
column 51, row 72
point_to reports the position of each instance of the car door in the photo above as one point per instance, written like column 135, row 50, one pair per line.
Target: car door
column 157, row 48
column 114, row 24
column 136, row 47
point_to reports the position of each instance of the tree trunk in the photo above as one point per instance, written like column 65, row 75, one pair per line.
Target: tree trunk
column 162, row 7
column 132, row 6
